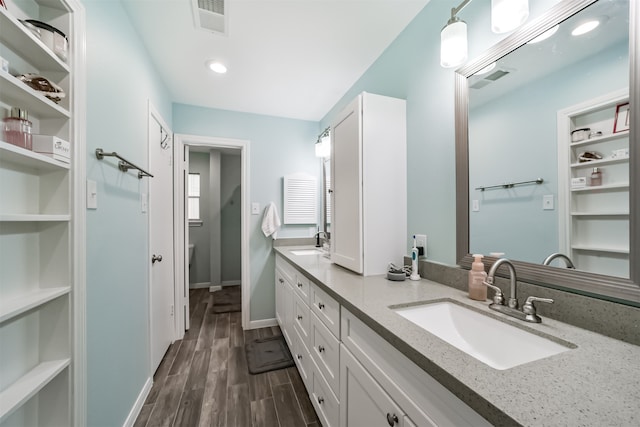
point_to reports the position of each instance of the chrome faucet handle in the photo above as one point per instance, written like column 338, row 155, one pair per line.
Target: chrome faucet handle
column 498, row 298
column 530, row 310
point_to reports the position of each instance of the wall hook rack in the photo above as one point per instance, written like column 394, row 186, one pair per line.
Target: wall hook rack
column 124, row 165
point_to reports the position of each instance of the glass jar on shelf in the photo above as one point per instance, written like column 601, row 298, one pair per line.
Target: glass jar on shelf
column 596, row 177
column 16, row 129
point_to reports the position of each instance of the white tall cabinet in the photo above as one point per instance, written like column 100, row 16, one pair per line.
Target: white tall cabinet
column 595, row 218
column 42, row 226
column 368, row 184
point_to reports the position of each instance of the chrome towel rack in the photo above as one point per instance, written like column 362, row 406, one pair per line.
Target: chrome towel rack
column 512, row 184
column 124, row 165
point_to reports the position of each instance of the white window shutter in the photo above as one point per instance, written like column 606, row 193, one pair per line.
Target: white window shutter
column 300, row 199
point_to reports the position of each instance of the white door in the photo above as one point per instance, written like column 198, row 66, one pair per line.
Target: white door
column 161, row 241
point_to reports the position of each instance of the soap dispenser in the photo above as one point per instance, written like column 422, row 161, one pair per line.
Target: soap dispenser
column 477, row 276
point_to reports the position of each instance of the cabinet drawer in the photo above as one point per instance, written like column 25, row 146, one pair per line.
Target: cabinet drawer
column 301, row 287
column 301, row 318
column 324, row 401
column 326, row 308
column 287, row 270
column 423, row 399
column 325, row 351
column 302, row 357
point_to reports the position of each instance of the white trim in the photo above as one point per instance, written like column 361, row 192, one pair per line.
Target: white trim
column 265, row 323
column 215, row 288
column 153, row 114
column 231, row 282
column 199, row 285
column 182, row 140
column 137, row 406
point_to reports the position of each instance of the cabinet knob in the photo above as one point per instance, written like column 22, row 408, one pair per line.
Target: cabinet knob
column 392, row 419
column 320, row 305
column 299, row 356
column 321, row 400
column 320, row 348
column 299, row 284
column 330, row 191
column 281, row 280
column 155, row 258
column 299, row 317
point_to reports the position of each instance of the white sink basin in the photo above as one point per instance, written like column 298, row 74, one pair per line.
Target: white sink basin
column 491, row 341
column 306, row 252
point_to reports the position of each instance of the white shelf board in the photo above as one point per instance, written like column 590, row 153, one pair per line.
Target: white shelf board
column 592, row 248
column 17, row 36
column 12, row 307
column 23, row 157
column 34, row 218
column 604, row 138
column 15, row 92
column 28, row 385
column 600, row 162
column 620, row 213
column 602, row 187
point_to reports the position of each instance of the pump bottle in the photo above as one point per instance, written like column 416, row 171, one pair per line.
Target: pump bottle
column 477, row 276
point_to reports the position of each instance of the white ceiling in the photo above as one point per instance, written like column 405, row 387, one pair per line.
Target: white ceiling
column 287, row 58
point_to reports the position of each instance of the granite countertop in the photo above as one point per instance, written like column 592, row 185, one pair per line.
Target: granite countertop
column 596, row 383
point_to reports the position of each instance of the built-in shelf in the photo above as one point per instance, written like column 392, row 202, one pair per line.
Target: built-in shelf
column 604, row 138
column 621, row 213
column 17, row 36
column 593, row 248
column 12, row 307
column 28, row 385
column 34, row 218
column 15, row 92
column 602, row 187
column 608, row 161
column 27, row 158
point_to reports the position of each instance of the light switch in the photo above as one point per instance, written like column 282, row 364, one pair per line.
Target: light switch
column 255, row 208
column 547, row 202
column 144, row 202
column 476, row 206
column 92, row 194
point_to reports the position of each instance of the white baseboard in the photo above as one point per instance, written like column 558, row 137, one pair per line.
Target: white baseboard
column 137, row 407
column 214, row 288
column 231, row 282
column 199, row 285
column 256, row 324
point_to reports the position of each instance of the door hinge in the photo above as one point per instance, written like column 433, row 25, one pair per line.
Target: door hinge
column 171, row 310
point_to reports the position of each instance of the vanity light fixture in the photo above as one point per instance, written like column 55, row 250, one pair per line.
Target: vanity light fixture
column 323, row 144
column 585, row 27
column 216, row 67
column 506, row 15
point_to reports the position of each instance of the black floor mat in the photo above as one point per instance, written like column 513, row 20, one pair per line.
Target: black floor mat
column 268, row 354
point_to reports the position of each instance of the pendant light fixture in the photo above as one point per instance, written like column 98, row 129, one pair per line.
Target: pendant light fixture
column 506, row 15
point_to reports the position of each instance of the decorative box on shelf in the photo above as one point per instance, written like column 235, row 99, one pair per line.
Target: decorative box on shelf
column 52, row 146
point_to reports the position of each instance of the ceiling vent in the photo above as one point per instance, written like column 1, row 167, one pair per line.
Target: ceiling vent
column 211, row 15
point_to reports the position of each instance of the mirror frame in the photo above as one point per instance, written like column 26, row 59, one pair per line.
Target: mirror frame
column 625, row 291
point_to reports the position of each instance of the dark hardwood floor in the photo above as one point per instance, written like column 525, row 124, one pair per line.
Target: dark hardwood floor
column 203, row 380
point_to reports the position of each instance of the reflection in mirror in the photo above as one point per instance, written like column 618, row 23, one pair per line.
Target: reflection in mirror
column 539, row 114
column 514, row 137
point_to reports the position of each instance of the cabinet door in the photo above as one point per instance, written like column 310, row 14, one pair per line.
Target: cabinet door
column 280, row 289
column 363, row 401
column 346, row 181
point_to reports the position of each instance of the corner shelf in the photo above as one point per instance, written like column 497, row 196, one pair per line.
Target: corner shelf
column 12, row 307
column 28, row 385
column 23, row 157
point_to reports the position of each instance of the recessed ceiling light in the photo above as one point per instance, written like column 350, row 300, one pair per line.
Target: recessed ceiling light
column 486, row 69
column 551, row 31
column 585, row 28
column 217, row 67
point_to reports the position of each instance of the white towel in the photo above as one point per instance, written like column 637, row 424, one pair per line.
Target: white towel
column 271, row 221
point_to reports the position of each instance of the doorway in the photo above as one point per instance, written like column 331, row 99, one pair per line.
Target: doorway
column 218, row 270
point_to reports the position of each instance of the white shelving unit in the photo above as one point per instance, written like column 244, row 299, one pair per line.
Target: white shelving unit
column 595, row 219
column 38, row 223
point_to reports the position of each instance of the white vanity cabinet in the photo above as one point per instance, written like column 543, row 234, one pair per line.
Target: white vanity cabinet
column 595, row 218
column 285, row 276
column 368, row 184
column 40, row 216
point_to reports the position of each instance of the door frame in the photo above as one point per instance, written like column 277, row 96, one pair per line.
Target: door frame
column 154, row 114
column 180, row 142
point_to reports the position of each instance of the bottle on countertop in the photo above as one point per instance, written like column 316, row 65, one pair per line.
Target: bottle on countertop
column 477, row 276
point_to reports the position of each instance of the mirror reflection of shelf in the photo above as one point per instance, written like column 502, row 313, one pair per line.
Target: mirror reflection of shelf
column 599, row 139
column 593, row 163
column 34, row 218
column 621, row 213
column 609, row 187
column 600, row 249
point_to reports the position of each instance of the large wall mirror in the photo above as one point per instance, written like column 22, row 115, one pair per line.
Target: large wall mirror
column 536, row 116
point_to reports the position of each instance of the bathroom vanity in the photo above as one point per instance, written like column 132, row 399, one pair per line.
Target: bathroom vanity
column 364, row 363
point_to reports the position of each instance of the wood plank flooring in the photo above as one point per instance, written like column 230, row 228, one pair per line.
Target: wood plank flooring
column 203, row 379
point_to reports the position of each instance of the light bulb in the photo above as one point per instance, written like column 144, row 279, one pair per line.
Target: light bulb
column 217, row 67
column 453, row 43
column 585, row 28
column 507, row 15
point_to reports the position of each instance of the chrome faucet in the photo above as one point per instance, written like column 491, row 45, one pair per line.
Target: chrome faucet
column 317, row 237
column 551, row 257
column 528, row 313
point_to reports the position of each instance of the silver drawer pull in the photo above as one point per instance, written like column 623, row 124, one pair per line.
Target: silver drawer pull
column 320, row 348
column 321, row 400
column 320, row 305
column 281, row 280
column 392, row 419
column 299, row 317
column 299, row 357
column 299, row 284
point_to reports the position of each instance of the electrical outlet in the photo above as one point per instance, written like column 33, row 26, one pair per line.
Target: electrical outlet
column 255, row 208
column 547, row 202
column 421, row 241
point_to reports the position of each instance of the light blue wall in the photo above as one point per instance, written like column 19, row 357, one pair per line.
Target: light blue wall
column 514, row 139
column 410, row 69
column 200, row 236
column 120, row 80
column 230, row 217
column 277, row 147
